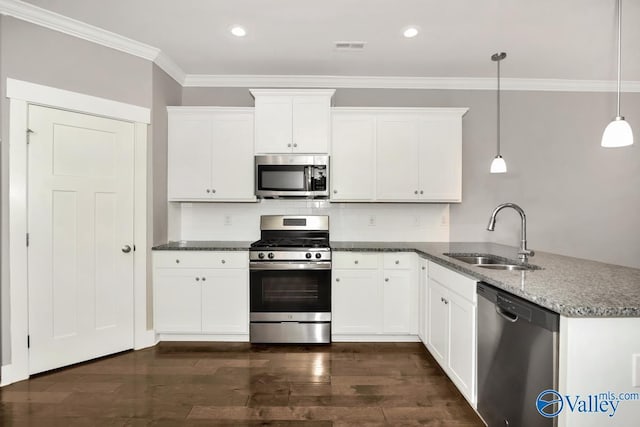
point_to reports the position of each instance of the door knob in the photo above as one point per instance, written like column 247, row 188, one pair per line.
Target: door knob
column 126, row 249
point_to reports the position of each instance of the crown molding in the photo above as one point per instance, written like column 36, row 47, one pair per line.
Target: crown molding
column 375, row 82
column 63, row 24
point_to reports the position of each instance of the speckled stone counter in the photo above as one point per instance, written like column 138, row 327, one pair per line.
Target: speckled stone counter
column 570, row 286
column 203, row 245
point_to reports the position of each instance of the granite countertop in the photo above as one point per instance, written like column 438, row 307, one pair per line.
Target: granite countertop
column 570, row 286
column 203, row 245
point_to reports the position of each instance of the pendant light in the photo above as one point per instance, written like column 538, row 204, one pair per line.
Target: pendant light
column 618, row 133
column 498, row 164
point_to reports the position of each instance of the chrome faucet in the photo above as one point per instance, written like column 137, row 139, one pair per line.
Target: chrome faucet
column 523, row 253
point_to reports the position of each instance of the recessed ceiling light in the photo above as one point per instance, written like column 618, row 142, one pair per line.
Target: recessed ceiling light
column 410, row 32
column 238, row 31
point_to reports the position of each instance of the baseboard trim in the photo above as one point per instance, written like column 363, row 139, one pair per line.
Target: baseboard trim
column 203, row 337
column 375, row 338
column 9, row 375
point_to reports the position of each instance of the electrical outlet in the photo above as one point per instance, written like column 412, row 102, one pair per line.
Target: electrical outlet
column 635, row 369
column 444, row 220
column 227, row 220
column 372, row 220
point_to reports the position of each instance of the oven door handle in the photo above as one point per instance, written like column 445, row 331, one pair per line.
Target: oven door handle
column 270, row 266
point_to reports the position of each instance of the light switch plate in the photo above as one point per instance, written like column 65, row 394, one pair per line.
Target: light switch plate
column 635, row 369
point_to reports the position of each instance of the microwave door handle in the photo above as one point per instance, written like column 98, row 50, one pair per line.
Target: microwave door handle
column 308, row 177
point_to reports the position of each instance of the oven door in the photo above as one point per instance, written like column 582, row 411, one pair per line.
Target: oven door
column 290, row 287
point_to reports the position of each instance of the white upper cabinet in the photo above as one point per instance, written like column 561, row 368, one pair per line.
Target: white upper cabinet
column 210, row 154
column 292, row 121
column 352, row 156
column 397, row 154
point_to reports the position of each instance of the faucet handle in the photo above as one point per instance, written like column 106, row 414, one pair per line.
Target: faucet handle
column 524, row 253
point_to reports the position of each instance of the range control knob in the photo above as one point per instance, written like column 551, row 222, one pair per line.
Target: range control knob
column 261, row 255
column 307, row 255
column 270, row 255
column 318, row 255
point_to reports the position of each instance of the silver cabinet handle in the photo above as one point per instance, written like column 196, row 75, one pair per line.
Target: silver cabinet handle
column 289, row 145
column 355, row 262
column 197, row 279
column 213, row 190
column 204, row 279
column 386, row 279
column 126, row 249
column 335, row 191
column 295, row 145
column 397, row 262
column 337, row 279
column 223, row 261
column 208, row 191
column 446, row 301
column 177, row 261
column 415, row 192
column 423, row 268
column 421, row 192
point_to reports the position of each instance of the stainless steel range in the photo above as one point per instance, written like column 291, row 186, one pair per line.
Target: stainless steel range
column 290, row 280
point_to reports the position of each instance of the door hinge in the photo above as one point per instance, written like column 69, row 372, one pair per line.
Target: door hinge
column 27, row 239
column 29, row 132
column 28, row 341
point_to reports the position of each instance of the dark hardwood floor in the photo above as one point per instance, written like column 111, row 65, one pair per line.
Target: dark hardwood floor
column 201, row 384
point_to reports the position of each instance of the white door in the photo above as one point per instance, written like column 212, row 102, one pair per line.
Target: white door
column 397, row 158
column 356, row 302
column 352, row 156
column 80, row 222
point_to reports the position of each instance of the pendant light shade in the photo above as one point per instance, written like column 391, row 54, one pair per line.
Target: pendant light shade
column 498, row 165
column 618, row 133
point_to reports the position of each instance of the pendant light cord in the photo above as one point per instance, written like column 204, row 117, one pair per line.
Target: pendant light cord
column 498, row 104
column 619, row 51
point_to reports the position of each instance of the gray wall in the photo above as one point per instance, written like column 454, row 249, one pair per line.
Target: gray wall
column 580, row 199
column 166, row 91
column 38, row 55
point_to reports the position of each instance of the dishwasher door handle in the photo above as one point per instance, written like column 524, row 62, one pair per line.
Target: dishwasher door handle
column 507, row 315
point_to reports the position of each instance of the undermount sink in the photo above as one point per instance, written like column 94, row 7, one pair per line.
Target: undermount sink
column 492, row 262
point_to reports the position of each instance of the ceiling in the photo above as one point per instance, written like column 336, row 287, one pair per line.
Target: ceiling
column 544, row 39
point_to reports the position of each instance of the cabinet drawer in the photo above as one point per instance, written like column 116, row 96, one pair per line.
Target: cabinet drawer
column 399, row 260
column 355, row 260
column 200, row 259
column 455, row 282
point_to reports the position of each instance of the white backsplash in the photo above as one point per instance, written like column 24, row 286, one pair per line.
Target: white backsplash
column 348, row 221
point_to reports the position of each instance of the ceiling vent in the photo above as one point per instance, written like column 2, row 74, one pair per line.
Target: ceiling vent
column 349, row 46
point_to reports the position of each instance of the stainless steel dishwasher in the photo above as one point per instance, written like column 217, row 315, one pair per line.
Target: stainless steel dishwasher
column 517, row 358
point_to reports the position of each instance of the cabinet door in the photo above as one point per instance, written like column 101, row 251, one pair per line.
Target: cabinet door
column 225, row 301
column 232, row 176
column 438, row 323
column 273, row 124
column 397, row 158
column 311, row 124
column 398, row 300
column 189, row 156
column 352, row 157
column 441, row 159
column 422, row 299
column 177, row 300
column 462, row 345
column 356, row 302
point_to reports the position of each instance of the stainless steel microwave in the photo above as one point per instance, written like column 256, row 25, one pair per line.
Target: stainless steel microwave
column 292, row 175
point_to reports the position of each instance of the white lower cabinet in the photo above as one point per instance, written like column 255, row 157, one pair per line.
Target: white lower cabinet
column 451, row 326
column 203, row 292
column 423, row 304
column 374, row 296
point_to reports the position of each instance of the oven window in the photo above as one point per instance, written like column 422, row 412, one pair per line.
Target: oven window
column 291, row 291
column 281, row 178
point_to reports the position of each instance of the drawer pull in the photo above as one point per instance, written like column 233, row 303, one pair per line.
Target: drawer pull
column 337, row 279
column 204, row 279
column 397, row 262
column 355, row 262
column 177, row 261
column 197, row 279
column 223, row 261
column 386, row 279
